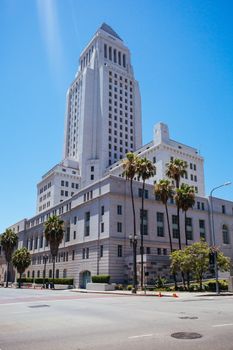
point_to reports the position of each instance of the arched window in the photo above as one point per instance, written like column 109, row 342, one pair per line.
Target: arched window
column 38, row 274
column 33, row 274
column 28, row 274
column 50, row 273
column 57, row 273
column 64, row 273
column 225, row 234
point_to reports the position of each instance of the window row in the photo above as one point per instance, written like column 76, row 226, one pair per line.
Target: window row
column 114, row 55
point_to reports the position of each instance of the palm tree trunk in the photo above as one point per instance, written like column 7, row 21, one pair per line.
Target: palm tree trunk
column 169, row 229
column 134, row 241
column 53, row 269
column 20, row 277
column 170, row 241
column 178, row 225
column 142, row 233
column 185, row 228
column 7, row 274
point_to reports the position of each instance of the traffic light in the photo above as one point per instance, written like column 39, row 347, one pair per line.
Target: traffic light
column 212, row 258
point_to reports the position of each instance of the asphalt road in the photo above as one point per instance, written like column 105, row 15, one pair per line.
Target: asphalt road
column 49, row 320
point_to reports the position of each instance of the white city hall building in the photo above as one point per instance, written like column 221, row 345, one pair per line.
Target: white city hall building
column 87, row 190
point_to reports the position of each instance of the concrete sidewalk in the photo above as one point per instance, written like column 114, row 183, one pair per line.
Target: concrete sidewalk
column 183, row 295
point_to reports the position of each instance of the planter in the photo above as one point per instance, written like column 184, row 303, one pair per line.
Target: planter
column 101, row 287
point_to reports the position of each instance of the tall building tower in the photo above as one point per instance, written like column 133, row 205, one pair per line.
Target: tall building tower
column 103, row 115
column 103, row 119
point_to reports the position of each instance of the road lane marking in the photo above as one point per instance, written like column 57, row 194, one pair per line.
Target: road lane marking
column 223, row 325
column 140, row 336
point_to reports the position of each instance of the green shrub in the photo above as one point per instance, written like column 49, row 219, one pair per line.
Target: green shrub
column 101, row 279
column 211, row 285
column 68, row 281
column 119, row 287
column 129, row 287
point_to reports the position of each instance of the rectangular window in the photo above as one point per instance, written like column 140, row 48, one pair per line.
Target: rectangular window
column 147, row 250
column 101, row 251
column 160, row 224
column 124, row 61
column 105, row 51
column 159, row 251
column 87, row 224
column 223, row 209
column 84, row 253
column 189, row 229
column 164, row 251
column 87, row 253
column 202, row 206
column 67, row 239
column 73, row 254
column 74, row 235
column 41, row 241
column 102, row 210
column 146, row 193
column 119, row 209
column 119, row 227
column 145, row 222
column 119, row 251
column 102, row 227
column 175, row 232
column 75, row 220
column 202, row 229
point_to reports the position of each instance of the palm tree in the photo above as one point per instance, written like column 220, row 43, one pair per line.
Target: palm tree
column 164, row 190
column 130, row 166
column 21, row 259
column 9, row 241
column 186, row 200
column 175, row 170
column 145, row 170
column 54, row 232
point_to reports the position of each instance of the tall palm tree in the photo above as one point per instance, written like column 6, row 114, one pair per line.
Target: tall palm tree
column 164, row 190
column 175, row 170
column 9, row 240
column 130, row 166
column 54, row 232
column 145, row 170
column 186, row 200
column 21, row 259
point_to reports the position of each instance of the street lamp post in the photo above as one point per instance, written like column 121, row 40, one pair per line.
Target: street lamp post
column 133, row 242
column 45, row 258
column 213, row 234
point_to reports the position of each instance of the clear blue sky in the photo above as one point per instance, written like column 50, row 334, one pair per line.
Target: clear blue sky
column 182, row 54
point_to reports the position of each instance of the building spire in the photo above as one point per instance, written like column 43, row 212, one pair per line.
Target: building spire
column 105, row 27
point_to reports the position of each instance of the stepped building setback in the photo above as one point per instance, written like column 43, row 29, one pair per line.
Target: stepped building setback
column 87, row 190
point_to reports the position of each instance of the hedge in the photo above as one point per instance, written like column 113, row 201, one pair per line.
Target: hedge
column 68, row 281
column 101, row 279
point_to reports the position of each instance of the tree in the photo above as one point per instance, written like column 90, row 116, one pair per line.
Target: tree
column 185, row 199
column 164, row 190
column 21, row 260
column 145, row 170
column 224, row 263
column 130, row 166
column 54, row 232
column 9, row 240
column 199, row 253
column 175, row 170
column 181, row 262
